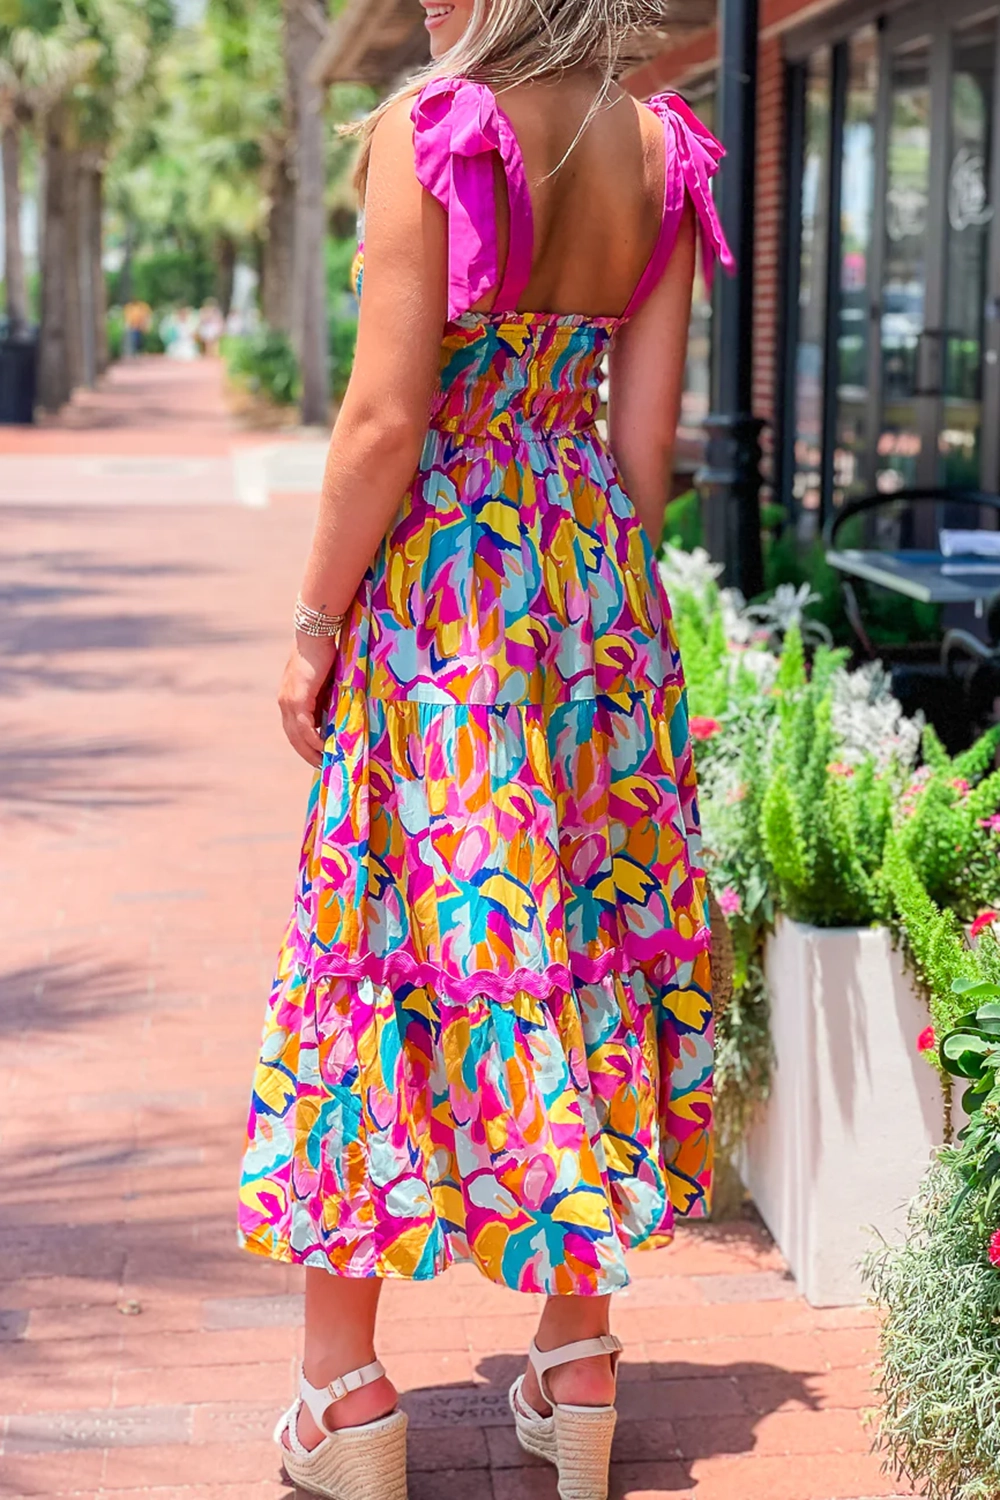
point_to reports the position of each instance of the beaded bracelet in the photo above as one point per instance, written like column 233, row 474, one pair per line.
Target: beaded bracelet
column 314, row 622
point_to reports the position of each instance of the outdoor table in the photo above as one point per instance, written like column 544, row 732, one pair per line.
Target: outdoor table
column 929, row 577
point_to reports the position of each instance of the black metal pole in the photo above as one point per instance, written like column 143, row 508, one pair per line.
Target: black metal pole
column 731, row 477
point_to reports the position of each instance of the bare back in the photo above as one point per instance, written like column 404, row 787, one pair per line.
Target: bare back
column 597, row 197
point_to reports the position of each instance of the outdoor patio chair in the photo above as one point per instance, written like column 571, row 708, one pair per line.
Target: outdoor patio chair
column 975, row 664
column 954, row 682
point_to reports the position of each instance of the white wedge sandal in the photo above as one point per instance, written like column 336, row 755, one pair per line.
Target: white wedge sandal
column 577, row 1439
column 351, row 1463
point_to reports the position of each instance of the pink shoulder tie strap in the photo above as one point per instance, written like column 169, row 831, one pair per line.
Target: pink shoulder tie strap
column 692, row 157
column 458, row 125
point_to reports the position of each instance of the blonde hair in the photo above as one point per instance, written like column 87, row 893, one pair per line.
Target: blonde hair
column 508, row 42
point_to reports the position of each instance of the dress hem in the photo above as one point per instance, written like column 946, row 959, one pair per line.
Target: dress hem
column 661, row 1240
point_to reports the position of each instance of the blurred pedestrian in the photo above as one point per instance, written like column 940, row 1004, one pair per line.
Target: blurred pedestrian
column 168, row 329
column 138, row 319
column 211, row 327
column 490, row 1031
column 184, row 343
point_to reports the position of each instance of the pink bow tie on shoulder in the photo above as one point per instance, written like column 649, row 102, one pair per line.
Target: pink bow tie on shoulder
column 457, row 128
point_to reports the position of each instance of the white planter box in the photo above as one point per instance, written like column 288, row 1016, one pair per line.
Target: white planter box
column 855, row 1110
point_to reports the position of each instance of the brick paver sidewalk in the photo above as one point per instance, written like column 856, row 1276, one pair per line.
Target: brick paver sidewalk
column 150, row 812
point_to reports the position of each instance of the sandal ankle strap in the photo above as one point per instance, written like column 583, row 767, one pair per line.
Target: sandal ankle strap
column 318, row 1398
column 550, row 1359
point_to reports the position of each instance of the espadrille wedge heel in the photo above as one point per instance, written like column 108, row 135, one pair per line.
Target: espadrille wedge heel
column 577, row 1439
column 351, row 1463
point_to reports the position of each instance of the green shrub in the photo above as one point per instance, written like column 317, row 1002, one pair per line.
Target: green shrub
column 116, row 333
column 971, row 1051
column 940, row 1290
column 343, row 336
column 265, row 364
column 682, row 526
column 939, row 1385
column 810, row 805
column 178, row 278
column 946, row 832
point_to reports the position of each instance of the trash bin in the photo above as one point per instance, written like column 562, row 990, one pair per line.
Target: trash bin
column 18, row 368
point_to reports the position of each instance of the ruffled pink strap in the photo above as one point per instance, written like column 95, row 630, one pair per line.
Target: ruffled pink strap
column 692, row 159
column 458, row 126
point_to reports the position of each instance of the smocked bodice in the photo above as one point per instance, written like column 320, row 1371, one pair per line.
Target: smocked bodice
column 504, row 372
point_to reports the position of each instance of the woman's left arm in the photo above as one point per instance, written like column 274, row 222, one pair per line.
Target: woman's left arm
column 382, row 425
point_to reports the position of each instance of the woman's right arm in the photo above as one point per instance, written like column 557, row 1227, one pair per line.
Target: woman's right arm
column 647, row 381
column 383, row 421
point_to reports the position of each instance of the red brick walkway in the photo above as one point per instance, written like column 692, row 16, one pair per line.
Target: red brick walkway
column 149, row 814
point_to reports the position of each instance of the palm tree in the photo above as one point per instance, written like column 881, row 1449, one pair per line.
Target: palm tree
column 306, row 27
column 128, row 34
column 66, row 68
column 209, row 164
column 38, row 65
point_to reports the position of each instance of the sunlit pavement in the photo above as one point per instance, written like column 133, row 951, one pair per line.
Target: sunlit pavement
column 149, row 814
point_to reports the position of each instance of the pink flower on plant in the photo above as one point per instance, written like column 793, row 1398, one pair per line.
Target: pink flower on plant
column 993, row 824
column 961, row 785
column 994, row 1249
column 984, row 920
column 704, row 729
column 840, row 768
column 926, row 1041
column 730, row 901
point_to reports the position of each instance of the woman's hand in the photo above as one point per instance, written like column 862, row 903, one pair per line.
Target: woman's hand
column 306, row 674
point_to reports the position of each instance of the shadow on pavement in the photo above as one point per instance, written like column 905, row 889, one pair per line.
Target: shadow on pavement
column 39, row 778
column 59, row 995
column 46, row 626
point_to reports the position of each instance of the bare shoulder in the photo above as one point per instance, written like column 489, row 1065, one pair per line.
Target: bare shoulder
column 650, row 122
column 392, row 179
column 392, row 141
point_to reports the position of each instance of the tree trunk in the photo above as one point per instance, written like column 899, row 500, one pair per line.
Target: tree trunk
column 225, row 270
column 278, row 249
column 73, row 267
column 87, row 274
column 100, row 296
column 305, row 24
column 17, row 287
column 53, row 369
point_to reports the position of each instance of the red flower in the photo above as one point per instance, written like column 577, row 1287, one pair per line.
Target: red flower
column 704, row 729
column 994, row 1250
column 926, row 1041
column 984, row 920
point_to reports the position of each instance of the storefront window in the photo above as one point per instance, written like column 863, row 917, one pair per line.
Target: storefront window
column 853, row 436
column 812, row 285
column 905, row 282
column 969, row 217
column 894, row 315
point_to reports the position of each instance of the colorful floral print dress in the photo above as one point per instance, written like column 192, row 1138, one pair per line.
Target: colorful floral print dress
column 490, row 1034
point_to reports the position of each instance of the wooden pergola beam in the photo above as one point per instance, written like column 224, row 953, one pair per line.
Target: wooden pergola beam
column 372, row 41
column 376, row 41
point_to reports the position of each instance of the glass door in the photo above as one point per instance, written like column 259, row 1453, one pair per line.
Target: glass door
column 902, row 314
column 938, row 237
column 893, row 333
column 968, row 219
